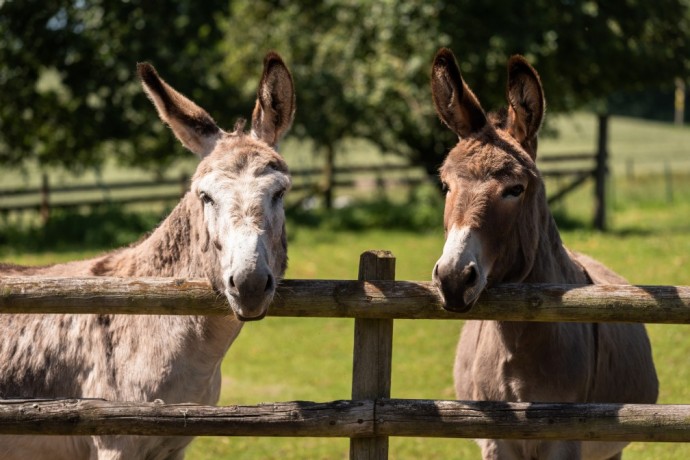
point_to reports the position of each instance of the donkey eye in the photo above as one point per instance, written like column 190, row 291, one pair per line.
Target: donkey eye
column 444, row 187
column 277, row 196
column 515, row 191
column 205, row 198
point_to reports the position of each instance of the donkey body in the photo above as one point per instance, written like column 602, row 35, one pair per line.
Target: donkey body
column 499, row 229
column 229, row 228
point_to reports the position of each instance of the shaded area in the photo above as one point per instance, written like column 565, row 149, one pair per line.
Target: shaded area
column 103, row 227
column 418, row 213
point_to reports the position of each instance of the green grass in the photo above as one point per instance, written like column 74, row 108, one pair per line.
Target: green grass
column 281, row 359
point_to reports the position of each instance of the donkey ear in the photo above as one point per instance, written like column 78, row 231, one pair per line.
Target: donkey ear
column 455, row 103
column 191, row 124
column 275, row 101
column 526, row 103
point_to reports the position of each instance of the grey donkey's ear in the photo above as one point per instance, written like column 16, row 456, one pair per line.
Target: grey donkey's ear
column 275, row 101
column 526, row 103
column 191, row 124
column 455, row 103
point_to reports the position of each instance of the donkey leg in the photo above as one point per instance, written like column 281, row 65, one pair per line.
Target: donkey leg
column 497, row 449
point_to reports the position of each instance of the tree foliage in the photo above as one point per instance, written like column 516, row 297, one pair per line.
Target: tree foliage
column 68, row 88
column 68, row 93
column 362, row 67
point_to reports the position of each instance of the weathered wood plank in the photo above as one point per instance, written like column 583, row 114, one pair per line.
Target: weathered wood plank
column 372, row 355
column 109, row 295
column 91, row 417
column 394, row 417
column 502, row 420
column 348, row 299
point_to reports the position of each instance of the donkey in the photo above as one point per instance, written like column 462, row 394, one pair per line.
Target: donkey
column 499, row 229
column 229, row 228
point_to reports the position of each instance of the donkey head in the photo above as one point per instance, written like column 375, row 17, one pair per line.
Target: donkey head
column 238, row 186
column 491, row 182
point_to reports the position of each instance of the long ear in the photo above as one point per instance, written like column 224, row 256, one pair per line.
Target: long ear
column 455, row 103
column 526, row 103
column 275, row 101
column 191, row 124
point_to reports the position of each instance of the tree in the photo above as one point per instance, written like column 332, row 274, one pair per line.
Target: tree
column 69, row 93
column 358, row 66
column 362, row 68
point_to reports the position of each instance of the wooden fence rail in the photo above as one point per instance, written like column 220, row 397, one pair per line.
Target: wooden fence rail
column 358, row 419
column 349, row 299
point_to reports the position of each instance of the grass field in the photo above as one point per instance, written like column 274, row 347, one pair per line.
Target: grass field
column 281, row 359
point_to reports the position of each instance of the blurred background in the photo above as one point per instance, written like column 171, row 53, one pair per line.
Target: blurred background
column 86, row 165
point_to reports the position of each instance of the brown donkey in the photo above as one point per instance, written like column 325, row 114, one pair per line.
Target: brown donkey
column 230, row 228
column 499, row 229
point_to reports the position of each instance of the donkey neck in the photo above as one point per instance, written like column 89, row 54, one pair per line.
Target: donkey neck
column 178, row 248
column 552, row 264
column 172, row 249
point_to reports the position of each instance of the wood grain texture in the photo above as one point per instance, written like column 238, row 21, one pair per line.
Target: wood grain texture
column 91, row 417
column 503, row 420
column 394, row 417
column 349, row 299
column 372, row 355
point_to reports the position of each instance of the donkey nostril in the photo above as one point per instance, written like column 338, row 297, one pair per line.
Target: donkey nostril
column 231, row 282
column 269, row 283
column 470, row 275
column 434, row 275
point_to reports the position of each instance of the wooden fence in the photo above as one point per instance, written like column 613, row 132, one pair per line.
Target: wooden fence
column 371, row 416
column 573, row 169
column 46, row 197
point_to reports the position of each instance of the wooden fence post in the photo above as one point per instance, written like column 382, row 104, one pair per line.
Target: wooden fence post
column 601, row 173
column 45, row 199
column 372, row 356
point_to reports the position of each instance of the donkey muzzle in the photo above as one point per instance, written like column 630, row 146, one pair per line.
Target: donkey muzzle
column 459, row 287
column 250, row 293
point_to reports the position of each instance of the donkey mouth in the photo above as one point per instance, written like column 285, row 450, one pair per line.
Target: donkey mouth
column 248, row 309
column 457, row 303
column 246, row 319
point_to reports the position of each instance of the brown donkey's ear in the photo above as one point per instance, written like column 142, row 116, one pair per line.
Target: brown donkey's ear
column 191, row 124
column 275, row 101
column 455, row 103
column 526, row 103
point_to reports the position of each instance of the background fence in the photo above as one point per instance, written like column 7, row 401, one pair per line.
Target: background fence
column 371, row 416
column 571, row 171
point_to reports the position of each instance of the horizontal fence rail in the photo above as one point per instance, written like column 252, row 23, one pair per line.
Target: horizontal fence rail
column 309, row 179
column 95, row 187
column 354, row 419
column 349, row 299
column 98, row 417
